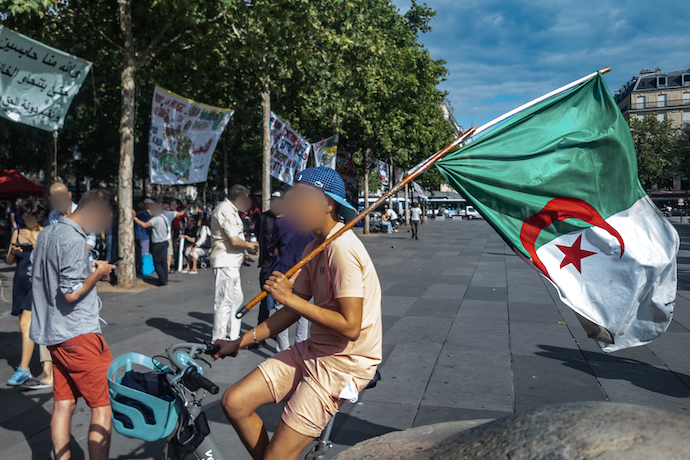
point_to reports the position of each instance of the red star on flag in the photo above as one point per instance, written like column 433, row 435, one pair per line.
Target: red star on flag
column 574, row 254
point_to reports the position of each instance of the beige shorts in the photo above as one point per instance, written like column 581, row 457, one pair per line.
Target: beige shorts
column 310, row 388
column 170, row 248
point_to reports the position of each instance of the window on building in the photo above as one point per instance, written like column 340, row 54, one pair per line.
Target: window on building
column 686, row 117
column 640, row 102
column 661, row 116
column 686, row 79
column 640, row 116
column 661, row 82
column 686, row 98
column 661, row 100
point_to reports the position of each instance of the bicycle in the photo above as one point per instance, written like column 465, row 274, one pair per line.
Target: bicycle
column 146, row 415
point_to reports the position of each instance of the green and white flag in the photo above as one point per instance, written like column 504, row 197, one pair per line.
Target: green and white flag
column 559, row 183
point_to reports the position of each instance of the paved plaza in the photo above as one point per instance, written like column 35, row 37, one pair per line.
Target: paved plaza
column 470, row 332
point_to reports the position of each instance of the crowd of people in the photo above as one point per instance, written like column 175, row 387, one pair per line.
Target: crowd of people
column 60, row 259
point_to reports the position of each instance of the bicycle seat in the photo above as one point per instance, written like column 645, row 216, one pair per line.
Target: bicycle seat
column 374, row 381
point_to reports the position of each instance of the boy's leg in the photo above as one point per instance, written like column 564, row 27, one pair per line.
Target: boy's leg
column 286, row 444
column 99, row 433
column 60, row 428
column 240, row 402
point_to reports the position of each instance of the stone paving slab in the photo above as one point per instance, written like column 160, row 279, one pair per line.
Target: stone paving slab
column 467, row 325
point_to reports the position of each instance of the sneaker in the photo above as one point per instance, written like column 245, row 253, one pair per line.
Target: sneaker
column 19, row 377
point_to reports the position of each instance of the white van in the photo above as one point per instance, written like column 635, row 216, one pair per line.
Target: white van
column 472, row 213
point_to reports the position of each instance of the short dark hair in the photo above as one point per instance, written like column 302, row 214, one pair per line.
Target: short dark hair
column 34, row 207
column 237, row 191
column 18, row 196
column 98, row 196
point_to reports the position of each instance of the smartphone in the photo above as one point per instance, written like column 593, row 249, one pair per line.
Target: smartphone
column 115, row 261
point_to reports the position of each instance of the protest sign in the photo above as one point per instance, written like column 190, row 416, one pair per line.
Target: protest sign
column 325, row 152
column 37, row 82
column 289, row 151
column 370, row 158
column 183, row 136
column 382, row 172
column 419, row 190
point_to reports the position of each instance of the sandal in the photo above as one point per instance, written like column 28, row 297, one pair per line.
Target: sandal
column 184, row 271
column 34, row 384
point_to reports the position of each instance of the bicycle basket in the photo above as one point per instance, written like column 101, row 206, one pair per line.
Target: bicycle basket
column 137, row 414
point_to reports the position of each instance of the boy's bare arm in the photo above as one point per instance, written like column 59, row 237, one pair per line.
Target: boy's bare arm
column 346, row 322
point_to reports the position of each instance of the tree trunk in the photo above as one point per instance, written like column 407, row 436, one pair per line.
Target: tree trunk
column 366, row 197
column 266, row 159
column 127, row 271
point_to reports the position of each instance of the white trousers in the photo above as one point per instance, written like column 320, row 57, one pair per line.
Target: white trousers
column 301, row 334
column 228, row 299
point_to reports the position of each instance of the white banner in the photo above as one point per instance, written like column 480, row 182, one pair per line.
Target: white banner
column 419, row 190
column 37, row 82
column 325, row 152
column 183, row 136
column 289, row 151
column 382, row 172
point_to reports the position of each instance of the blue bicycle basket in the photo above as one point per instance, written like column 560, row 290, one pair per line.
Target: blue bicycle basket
column 138, row 414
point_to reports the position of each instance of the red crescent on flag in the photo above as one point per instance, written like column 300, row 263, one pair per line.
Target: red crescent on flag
column 560, row 209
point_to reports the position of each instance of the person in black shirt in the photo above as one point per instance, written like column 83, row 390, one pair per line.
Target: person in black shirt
column 264, row 233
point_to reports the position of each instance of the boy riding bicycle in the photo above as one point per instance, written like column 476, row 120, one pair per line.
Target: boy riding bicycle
column 317, row 376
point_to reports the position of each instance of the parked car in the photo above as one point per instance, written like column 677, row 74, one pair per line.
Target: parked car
column 472, row 213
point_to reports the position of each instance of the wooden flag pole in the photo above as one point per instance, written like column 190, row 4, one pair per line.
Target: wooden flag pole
column 409, row 178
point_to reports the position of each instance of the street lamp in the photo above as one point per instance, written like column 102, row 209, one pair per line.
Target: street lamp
column 76, row 156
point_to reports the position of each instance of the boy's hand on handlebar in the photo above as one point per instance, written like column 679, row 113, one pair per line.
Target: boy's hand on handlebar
column 227, row 348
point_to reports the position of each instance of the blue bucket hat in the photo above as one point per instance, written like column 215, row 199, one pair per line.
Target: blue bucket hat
column 330, row 183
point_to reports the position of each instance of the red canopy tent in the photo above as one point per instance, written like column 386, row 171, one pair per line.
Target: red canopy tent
column 13, row 183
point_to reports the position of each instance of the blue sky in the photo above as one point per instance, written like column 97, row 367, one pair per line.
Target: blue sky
column 501, row 54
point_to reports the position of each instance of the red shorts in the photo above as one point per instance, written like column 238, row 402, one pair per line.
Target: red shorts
column 80, row 366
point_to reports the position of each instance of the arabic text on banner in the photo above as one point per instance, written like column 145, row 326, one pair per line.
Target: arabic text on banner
column 289, row 151
column 325, row 152
column 183, row 136
column 37, row 82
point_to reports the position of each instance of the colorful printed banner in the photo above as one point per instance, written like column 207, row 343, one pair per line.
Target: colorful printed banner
column 325, row 152
column 382, row 172
column 289, row 151
column 37, row 82
column 348, row 172
column 398, row 174
column 183, row 136
column 370, row 158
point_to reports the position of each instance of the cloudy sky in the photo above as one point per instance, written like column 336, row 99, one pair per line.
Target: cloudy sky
column 501, row 54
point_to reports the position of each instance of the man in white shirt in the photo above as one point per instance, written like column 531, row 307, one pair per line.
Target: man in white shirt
column 227, row 253
column 415, row 217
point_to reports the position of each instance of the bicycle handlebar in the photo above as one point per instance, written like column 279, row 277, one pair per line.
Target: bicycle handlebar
column 200, row 381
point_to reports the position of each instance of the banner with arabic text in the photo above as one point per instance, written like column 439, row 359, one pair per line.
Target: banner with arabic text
column 183, row 136
column 289, row 151
column 37, row 82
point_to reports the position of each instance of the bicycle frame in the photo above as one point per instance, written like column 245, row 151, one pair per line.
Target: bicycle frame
column 181, row 359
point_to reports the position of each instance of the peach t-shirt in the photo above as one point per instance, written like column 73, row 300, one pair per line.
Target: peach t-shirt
column 344, row 269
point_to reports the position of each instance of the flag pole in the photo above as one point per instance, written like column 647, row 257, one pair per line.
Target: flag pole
column 409, row 178
column 505, row 116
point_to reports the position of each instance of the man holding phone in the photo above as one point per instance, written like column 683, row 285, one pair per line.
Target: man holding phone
column 65, row 319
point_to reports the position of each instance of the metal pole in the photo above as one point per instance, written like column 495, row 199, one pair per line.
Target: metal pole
column 366, row 198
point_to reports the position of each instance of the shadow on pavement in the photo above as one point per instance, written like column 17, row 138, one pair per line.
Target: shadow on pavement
column 612, row 367
column 33, row 423
column 350, row 430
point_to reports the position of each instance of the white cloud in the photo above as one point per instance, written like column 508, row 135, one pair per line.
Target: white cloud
column 524, row 49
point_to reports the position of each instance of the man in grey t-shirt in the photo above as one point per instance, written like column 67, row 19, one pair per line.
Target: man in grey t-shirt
column 65, row 318
column 160, row 234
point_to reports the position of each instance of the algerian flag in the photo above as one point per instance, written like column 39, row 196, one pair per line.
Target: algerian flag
column 559, row 183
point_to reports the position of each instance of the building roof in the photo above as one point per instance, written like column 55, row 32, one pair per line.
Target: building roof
column 649, row 80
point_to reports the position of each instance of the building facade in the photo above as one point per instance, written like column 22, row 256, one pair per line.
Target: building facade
column 665, row 95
